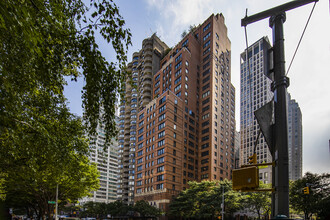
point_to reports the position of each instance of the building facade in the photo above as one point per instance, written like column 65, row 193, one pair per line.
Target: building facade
column 106, row 159
column 138, row 93
column 255, row 92
column 237, row 148
column 187, row 132
column 294, row 139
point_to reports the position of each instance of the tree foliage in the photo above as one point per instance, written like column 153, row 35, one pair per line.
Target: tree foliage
column 317, row 201
column 42, row 143
column 119, row 209
column 54, row 155
column 41, row 42
column 203, row 200
column 259, row 202
column 146, row 210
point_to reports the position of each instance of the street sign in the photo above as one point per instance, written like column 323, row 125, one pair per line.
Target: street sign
column 51, row 202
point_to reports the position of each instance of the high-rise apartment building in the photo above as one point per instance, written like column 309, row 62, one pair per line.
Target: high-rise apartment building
column 138, row 93
column 255, row 92
column 294, row 139
column 237, row 149
column 187, row 132
column 106, row 159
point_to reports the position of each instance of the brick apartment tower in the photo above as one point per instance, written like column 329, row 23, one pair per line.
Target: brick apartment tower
column 187, row 132
column 138, row 93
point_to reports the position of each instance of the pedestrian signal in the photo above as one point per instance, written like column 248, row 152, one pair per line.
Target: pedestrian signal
column 253, row 159
column 306, row 190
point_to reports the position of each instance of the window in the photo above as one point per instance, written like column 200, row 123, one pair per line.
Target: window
column 161, row 151
column 205, row 101
column 205, row 123
column 205, row 108
column 206, row 116
column 161, row 126
column 206, row 86
column 161, row 117
column 204, row 161
column 207, row 44
column 178, row 57
column 160, row 186
column 161, row 134
column 162, row 100
column 177, row 88
column 206, row 36
column 161, row 143
column 177, row 66
column 206, row 65
column 161, row 109
column 160, row 160
column 205, row 153
column 206, row 79
column 205, row 146
column 206, row 51
column 140, row 131
column 160, row 177
column 204, row 176
column 177, row 80
column 207, row 27
column 204, row 168
column 205, row 138
column 140, row 153
column 177, row 73
column 160, row 169
column 206, row 130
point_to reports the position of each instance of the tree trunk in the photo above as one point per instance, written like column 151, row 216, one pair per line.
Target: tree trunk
column 258, row 212
column 306, row 216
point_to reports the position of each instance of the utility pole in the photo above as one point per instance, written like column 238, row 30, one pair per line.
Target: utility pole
column 223, row 201
column 56, row 205
column 279, row 150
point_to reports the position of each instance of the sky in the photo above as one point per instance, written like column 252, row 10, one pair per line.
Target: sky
column 309, row 74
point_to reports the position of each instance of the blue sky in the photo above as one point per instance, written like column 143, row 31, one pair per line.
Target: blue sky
column 309, row 74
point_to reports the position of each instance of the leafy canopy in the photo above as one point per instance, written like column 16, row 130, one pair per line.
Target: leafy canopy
column 42, row 144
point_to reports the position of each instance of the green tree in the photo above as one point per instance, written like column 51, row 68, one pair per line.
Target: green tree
column 54, row 155
column 317, row 201
column 259, row 202
column 146, row 210
column 203, row 200
column 42, row 42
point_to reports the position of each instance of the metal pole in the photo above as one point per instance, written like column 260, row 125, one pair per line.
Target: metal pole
column 223, row 201
column 279, row 87
column 56, row 202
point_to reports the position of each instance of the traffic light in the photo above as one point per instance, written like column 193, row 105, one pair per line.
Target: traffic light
column 253, row 159
column 246, row 178
column 306, row 190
